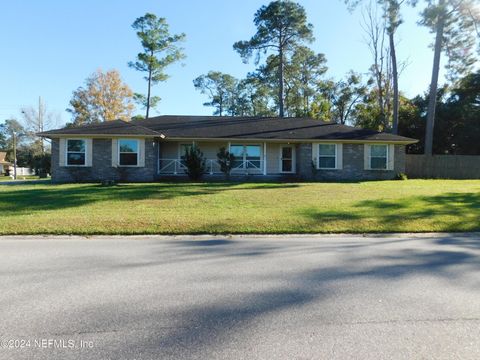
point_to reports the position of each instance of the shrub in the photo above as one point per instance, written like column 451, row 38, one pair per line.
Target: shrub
column 226, row 161
column 108, row 183
column 41, row 164
column 194, row 162
column 401, row 176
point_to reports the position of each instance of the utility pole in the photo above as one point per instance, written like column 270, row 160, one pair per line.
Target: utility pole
column 40, row 123
column 14, row 155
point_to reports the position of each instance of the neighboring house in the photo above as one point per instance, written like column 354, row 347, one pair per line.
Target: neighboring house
column 291, row 148
column 4, row 164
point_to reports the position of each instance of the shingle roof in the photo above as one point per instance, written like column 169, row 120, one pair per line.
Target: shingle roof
column 3, row 155
column 116, row 127
column 222, row 127
column 260, row 128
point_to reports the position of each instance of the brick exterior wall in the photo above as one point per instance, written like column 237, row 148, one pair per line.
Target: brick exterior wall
column 353, row 165
column 102, row 168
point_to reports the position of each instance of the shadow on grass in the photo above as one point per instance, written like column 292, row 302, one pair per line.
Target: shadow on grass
column 394, row 214
column 53, row 197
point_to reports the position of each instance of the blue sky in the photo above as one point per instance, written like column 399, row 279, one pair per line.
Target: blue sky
column 49, row 47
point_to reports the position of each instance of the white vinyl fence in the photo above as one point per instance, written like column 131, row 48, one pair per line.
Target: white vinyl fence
column 22, row 171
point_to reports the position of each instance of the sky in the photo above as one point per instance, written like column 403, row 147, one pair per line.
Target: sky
column 51, row 46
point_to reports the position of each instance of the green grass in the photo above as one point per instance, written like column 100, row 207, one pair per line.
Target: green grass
column 20, row 178
column 176, row 208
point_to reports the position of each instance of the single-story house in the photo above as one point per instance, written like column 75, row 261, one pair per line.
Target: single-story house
column 264, row 147
column 4, row 164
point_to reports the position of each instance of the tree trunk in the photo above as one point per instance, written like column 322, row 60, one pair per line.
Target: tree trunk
column 396, row 100
column 148, row 93
column 432, row 101
column 149, row 87
column 281, row 79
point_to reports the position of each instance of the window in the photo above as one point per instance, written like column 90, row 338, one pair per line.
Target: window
column 76, row 152
column 246, row 156
column 378, row 157
column 252, row 156
column 327, row 156
column 237, row 151
column 183, row 150
column 128, row 152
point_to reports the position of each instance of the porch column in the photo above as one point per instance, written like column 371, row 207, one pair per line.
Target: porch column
column 264, row 158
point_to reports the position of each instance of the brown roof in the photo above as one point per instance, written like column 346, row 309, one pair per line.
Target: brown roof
column 2, row 159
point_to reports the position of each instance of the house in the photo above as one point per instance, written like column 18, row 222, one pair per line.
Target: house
column 264, row 147
column 4, row 164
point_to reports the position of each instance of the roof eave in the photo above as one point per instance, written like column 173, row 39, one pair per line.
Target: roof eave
column 57, row 135
column 379, row 141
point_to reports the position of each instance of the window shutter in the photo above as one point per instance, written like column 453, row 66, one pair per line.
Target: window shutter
column 141, row 152
column 88, row 152
column 61, row 152
column 391, row 157
column 114, row 152
column 366, row 156
column 339, row 151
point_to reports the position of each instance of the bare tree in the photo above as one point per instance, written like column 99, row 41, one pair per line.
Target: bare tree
column 374, row 27
column 37, row 120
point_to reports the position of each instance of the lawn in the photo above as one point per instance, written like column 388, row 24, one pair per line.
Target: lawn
column 19, row 177
column 176, row 208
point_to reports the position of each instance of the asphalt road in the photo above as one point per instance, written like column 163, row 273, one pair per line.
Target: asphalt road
column 328, row 297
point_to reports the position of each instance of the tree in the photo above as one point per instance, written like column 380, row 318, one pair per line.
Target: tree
column 37, row 120
column 104, row 98
column 3, row 137
column 221, row 89
column 343, row 96
column 14, row 134
column 226, row 160
column 159, row 51
column 281, row 27
column 303, row 80
column 391, row 12
column 7, row 129
column 457, row 128
column 381, row 70
column 194, row 163
column 455, row 25
column 254, row 97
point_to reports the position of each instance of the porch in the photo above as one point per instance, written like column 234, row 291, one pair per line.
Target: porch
column 251, row 158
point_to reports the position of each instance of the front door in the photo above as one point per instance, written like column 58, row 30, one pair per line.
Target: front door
column 287, row 159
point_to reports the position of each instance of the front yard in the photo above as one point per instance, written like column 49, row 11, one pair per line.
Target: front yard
column 176, row 208
column 19, row 177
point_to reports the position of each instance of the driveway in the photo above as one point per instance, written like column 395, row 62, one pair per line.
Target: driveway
column 287, row 297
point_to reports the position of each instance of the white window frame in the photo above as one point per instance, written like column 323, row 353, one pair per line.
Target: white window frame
column 244, row 157
column 280, row 163
column 318, row 157
column 387, row 157
column 138, row 152
column 84, row 152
